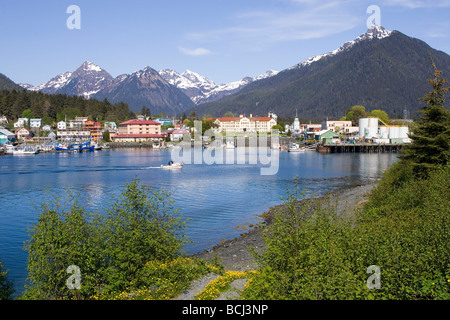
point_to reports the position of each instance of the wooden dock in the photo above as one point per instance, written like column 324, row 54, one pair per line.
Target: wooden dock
column 359, row 148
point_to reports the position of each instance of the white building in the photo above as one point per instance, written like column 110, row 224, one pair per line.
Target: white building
column 21, row 122
column 339, row 126
column 74, row 134
column 4, row 120
column 23, row 133
column 245, row 124
column 178, row 134
column 62, row 125
column 35, row 123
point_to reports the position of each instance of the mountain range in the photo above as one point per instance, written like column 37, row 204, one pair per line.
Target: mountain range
column 200, row 89
column 380, row 69
column 166, row 90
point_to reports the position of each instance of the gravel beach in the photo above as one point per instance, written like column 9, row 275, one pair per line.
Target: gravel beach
column 234, row 253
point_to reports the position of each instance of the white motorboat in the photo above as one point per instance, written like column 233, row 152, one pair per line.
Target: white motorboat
column 296, row 148
column 25, row 151
column 9, row 149
column 172, row 165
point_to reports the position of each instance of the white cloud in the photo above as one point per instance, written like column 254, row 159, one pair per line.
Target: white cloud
column 413, row 4
column 260, row 29
column 195, row 52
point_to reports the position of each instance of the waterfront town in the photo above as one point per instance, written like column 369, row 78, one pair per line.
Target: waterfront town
column 164, row 132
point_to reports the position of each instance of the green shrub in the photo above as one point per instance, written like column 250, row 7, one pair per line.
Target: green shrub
column 312, row 253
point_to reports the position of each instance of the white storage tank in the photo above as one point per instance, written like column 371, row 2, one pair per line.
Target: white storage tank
column 370, row 133
column 383, row 132
column 394, row 133
column 373, row 123
column 363, row 124
column 403, row 132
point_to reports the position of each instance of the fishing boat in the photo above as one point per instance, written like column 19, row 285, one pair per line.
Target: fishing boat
column 296, row 148
column 172, row 165
column 75, row 147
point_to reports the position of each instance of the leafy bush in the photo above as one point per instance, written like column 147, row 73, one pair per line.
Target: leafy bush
column 6, row 286
column 312, row 253
column 110, row 249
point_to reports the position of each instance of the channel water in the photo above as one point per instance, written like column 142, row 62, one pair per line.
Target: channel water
column 215, row 198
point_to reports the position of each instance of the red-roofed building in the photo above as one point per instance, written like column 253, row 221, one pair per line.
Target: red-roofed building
column 245, row 124
column 138, row 130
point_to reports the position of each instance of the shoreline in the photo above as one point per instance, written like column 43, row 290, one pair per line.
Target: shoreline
column 234, row 254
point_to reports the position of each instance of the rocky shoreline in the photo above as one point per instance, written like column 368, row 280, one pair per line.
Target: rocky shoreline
column 234, row 254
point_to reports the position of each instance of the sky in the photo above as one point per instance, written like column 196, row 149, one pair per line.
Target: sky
column 224, row 40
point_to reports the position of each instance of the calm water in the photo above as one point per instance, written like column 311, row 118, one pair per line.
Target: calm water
column 216, row 198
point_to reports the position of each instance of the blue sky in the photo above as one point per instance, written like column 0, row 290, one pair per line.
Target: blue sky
column 224, row 40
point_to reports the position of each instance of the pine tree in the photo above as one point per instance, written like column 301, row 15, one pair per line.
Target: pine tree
column 430, row 147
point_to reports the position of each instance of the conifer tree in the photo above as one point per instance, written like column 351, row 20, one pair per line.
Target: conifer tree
column 430, row 147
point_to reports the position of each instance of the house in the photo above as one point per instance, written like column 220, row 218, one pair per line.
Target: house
column 95, row 128
column 51, row 136
column 4, row 120
column 138, row 130
column 326, row 136
column 21, row 122
column 62, row 125
column 244, row 124
column 178, row 134
column 78, row 123
column 6, row 135
column 47, row 127
column 23, row 134
column 35, row 123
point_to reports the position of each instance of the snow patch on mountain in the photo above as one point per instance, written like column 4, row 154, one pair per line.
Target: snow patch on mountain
column 200, row 89
column 375, row 32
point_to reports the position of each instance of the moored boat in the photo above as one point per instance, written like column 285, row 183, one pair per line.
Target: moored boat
column 296, row 148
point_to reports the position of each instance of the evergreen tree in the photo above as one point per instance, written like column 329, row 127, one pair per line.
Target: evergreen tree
column 430, row 147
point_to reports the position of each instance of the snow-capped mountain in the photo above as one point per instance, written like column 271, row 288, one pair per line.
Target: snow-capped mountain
column 200, row 89
column 85, row 81
column 375, row 32
column 51, row 86
column 147, row 88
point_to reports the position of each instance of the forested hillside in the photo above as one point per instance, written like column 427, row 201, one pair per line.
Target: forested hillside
column 57, row 107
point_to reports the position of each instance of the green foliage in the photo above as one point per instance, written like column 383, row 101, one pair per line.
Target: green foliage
column 278, row 127
column 28, row 113
column 355, row 113
column 61, row 238
column 141, row 225
column 431, row 133
column 312, row 253
column 380, row 114
column 110, row 248
column 6, row 286
column 161, row 280
column 58, row 107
